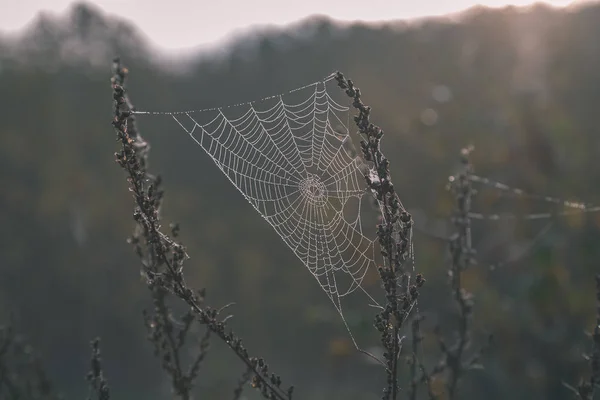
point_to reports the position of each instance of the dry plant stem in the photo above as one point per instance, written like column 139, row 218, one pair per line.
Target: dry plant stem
column 462, row 257
column 96, row 379
column 6, row 379
column 393, row 235
column 586, row 389
column 414, row 360
column 171, row 360
column 453, row 362
column 169, row 341
column 21, row 373
column 595, row 355
column 245, row 378
column 162, row 257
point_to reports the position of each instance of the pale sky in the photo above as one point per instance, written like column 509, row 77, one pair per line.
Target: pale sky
column 180, row 24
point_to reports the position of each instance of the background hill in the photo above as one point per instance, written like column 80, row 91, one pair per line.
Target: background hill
column 522, row 85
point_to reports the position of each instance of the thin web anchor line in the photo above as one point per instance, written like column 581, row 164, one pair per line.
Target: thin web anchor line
column 521, row 193
column 531, row 217
column 575, row 207
column 244, row 103
column 525, row 251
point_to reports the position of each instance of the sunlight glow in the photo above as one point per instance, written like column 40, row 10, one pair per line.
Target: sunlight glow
column 181, row 24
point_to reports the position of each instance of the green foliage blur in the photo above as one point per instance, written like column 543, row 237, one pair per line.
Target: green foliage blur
column 521, row 85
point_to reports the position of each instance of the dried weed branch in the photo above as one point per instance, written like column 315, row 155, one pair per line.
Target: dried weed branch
column 169, row 338
column 394, row 235
column 416, row 376
column 96, row 379
column 586, row 389
column 21, row 373
column 453, row 363
column 462, row 257
column 162, row 257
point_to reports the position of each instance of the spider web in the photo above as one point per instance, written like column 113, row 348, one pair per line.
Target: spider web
column 569, row 208
column 292, row 158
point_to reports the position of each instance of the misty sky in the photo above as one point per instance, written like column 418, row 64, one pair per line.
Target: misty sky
column 181, row 24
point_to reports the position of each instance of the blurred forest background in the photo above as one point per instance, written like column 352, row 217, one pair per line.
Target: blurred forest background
column 521, row 85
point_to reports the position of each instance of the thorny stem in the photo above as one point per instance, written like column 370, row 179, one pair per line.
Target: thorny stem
column 163, row 251
column 394, row 236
